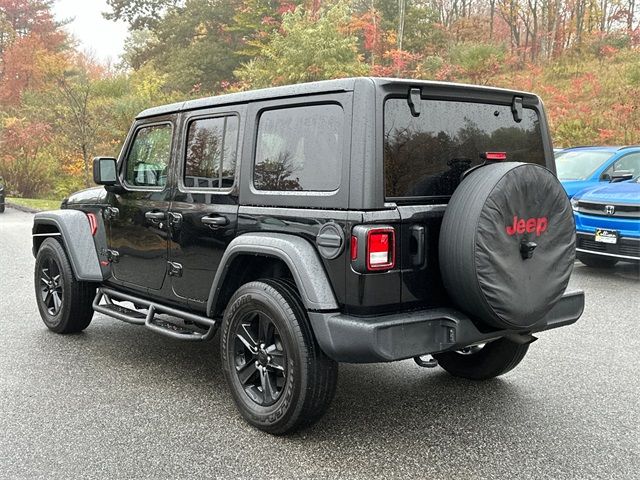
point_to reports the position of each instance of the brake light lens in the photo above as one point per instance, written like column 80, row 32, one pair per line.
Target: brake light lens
column 495, row 156
column 381, row 248
column 93, row 223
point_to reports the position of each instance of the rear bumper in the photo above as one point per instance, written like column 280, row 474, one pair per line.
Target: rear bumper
column 627, row 248
column 395, row 337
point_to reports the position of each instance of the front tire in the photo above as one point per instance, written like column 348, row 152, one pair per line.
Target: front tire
column 596, row 261
column 491, row 360
column 279, row 378
column 65, row 304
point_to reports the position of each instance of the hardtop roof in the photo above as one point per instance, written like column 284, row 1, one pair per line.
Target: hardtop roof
column 320, row 87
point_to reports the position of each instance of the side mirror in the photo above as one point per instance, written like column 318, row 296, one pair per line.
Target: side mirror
column 105, row 171
column 621, row 175
column 605, row 177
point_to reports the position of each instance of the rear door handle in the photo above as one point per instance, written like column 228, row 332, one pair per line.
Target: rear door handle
column 215, row 221
column 154, row 216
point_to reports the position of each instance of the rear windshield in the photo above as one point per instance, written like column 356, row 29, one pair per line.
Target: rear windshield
column 424, row 156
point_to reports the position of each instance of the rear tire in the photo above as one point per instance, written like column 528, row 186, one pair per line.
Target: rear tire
column 279, row 378
column 596, row 261
column 493, row 359
column 65, row 304
column 2, row 208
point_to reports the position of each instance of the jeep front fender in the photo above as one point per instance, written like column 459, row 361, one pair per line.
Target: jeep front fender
column 75, row 231
column 298, row 254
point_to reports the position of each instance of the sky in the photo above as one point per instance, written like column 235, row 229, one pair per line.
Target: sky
column 94, row 33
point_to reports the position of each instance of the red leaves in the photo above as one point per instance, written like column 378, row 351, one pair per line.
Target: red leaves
column 22, row 138
column 605, row 135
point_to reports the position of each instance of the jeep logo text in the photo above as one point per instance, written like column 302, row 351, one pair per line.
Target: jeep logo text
column 530, row 225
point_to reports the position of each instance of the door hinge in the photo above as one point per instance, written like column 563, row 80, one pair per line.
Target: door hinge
column 113, row 256
column 111, row 213
column 175, row 269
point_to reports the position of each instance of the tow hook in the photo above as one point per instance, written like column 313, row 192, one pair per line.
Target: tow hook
column 426, row 361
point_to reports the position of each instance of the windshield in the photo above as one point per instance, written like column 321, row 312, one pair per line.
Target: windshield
column 579, row 165
column 425, row 155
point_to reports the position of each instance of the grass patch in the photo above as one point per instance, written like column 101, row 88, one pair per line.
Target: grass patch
column 35, row 203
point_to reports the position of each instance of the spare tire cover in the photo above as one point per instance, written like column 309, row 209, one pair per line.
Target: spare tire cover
column 496, row 212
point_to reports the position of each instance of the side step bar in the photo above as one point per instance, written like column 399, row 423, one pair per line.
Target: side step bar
column 149, row 319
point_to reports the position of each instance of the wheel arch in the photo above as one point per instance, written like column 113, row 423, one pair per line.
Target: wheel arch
column 72, row 228
column 258, row 255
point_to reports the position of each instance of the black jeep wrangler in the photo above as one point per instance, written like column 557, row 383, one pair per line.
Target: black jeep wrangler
column 355, row 220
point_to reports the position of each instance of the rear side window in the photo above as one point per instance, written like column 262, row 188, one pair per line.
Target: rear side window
column 210, row 160
column 426, row 155
column 149, row 156
column 299, row 148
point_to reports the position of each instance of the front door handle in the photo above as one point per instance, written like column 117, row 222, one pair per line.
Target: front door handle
column 215, row 221
column 155, row 216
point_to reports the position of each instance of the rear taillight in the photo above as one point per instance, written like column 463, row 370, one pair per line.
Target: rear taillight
column 93, row 223
column 380, row 251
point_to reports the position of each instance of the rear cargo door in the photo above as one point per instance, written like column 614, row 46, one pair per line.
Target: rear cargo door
column 430, row 140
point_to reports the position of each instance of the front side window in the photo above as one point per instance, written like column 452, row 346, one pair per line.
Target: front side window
column 210, row 160
column 299, row 148
column 149, row 156
column 426, row 155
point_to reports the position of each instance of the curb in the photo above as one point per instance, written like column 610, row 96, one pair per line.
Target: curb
column 22, row 208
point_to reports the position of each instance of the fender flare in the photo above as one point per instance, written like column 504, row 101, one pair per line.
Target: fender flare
column 298, row 254
column 78, row 242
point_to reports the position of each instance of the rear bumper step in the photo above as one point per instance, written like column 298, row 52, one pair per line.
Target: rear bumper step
column 388, row 338
column 149, row 319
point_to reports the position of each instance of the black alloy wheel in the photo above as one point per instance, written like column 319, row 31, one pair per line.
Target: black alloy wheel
column 51, row 289
column 65, row 304
column 278, row 376
column 260, row 358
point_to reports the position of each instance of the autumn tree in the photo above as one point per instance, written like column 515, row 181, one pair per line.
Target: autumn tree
column 189, row 41
column 307, row 47
column 22, row 163
column 30, row 47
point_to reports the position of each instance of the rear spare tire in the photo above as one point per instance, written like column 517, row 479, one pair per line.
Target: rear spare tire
column 507, row 244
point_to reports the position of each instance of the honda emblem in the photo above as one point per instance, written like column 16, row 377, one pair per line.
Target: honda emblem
column 609, row 209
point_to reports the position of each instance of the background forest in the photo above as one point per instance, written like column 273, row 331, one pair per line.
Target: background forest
column 59, row 107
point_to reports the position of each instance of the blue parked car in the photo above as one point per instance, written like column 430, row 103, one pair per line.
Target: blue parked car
column 582, row 167
column 608, row 223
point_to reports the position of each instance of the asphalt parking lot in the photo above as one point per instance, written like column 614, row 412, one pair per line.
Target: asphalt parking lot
column 118, row 401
